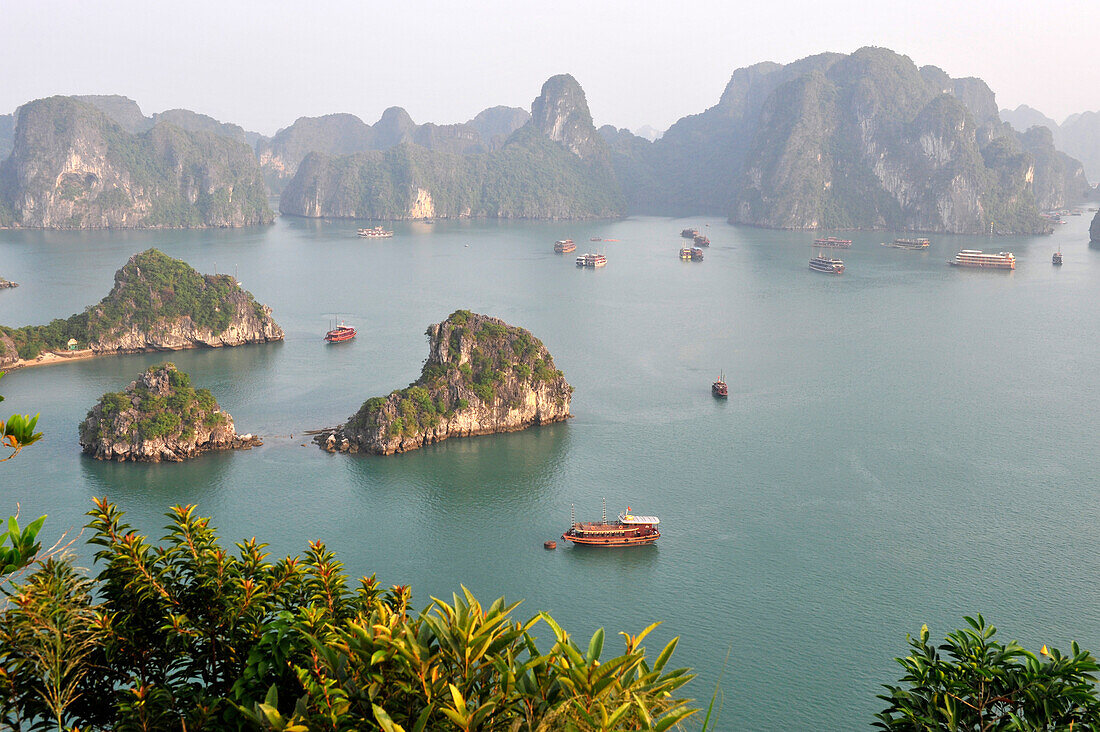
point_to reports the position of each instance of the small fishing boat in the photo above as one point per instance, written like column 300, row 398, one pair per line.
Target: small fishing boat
column 1056, row 258
column 719, row 388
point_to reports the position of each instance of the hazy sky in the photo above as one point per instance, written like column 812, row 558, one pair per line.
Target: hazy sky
column 264, row 64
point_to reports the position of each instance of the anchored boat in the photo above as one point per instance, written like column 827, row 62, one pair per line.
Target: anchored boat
column 591, row 260
column 376, row 232
column 564, row 246
column 832, row 242
column 719, row 388
column 821, row 263
column 629, row 530
column 976, row 258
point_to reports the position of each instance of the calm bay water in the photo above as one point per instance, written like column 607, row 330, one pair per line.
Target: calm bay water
column 904, row 444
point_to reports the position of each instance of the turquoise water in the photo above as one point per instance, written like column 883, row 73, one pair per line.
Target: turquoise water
column 904, row 444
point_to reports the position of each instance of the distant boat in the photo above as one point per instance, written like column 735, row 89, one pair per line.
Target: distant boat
column 564, row 246
column 833, row 243
column 976, row 258
column 914, row 244
column 340, row 333
column 595, row 238
column 685, row 253
column 719, row 388
column 591, row 260
column 689, row 233
column 701, row 241
column 821, row 263
column 696, row 254
column 376, row 232
column 1056, row 259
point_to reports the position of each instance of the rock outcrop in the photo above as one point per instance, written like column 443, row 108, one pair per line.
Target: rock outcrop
column 159, row 417
column 72, row 167
column 482, row 376
column 157, row 304
column 860, row 141
column 556, row 166
column 1094, row 228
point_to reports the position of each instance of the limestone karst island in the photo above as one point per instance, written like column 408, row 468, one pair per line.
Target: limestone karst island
column 482, row 376
column 666, row 367
column 157, row 304
column 160, row 416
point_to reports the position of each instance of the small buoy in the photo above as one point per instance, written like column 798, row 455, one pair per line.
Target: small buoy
column 550, row 545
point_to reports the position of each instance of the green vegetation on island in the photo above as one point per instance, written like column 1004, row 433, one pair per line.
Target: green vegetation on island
column 159, row 416
column 156, row 301
column 481, row 376
column 174, row 413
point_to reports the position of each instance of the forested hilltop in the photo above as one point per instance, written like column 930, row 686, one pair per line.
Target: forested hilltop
column 157, row 304
column 866, row 140
column 73, row 167
column 554, row 166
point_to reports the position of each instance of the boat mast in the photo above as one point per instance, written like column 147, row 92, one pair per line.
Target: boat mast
column 572, row 515
column 605, row 510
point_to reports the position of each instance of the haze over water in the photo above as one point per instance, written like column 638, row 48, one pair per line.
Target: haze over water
column 904, row 444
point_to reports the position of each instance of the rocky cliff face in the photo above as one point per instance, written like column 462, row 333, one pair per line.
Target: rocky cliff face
column 159, row 416
column 73, row 168
column 482, row 376
column 157, row 304
column 555, row 166
column 874, row 142
column 865, row 140
column 7, row 134
column 1094, row 228
column 560, row 113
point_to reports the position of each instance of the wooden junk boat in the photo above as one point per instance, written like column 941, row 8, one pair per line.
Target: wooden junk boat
column 340, row 333
column 719, row 388
column 629, row 530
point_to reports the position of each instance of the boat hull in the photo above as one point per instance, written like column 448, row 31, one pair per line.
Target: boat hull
column 581, row 540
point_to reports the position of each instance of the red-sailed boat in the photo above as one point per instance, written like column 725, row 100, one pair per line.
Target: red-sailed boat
column 629, row 530
column 340, row 334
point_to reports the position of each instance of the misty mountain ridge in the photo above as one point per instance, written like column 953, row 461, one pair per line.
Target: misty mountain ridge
column 1078, row 135
column 842, row 141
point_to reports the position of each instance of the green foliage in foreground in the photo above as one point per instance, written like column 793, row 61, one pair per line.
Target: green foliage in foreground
column 188, row 635
column 975, row 682
column 16, row 433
